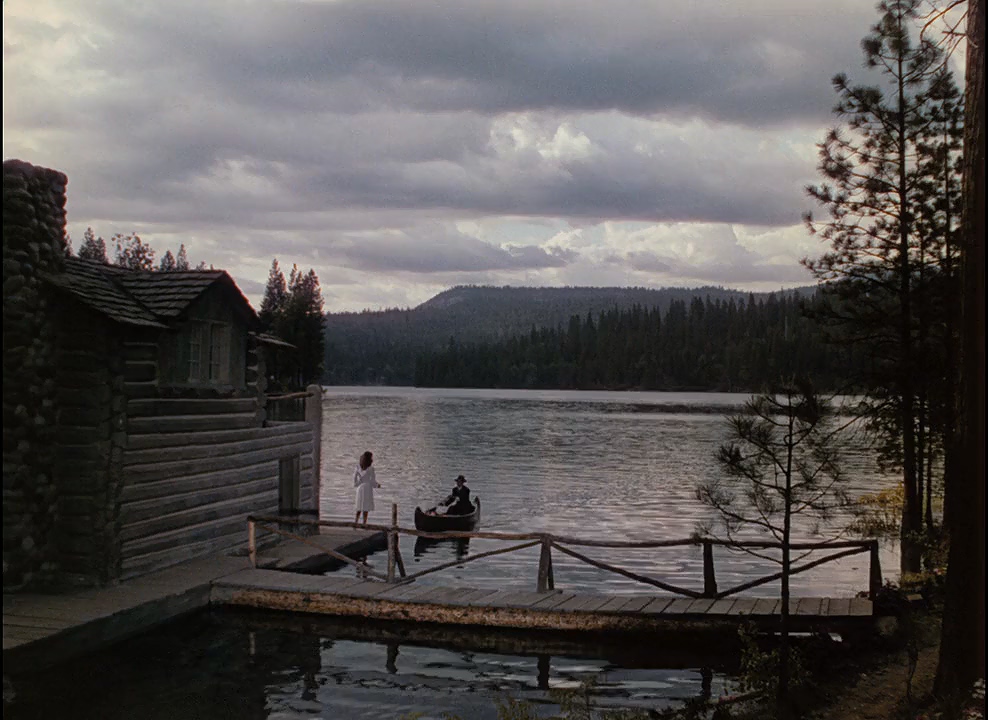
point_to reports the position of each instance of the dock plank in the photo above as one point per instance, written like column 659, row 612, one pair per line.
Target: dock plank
column 524, row 598
column 337, row 583
column 366, row 589
column 581, row 601
column 33, row 622
column 809, row 606
column 474, row 597
column 840, row 607
column 742, row 606
column 593, row 603
column 408, row 593
column 492, row 598
column 450, row 595
column 699, row 606
column 553, row 601
column 657, row 606
column 722, row 606
column 766, row 606
column 860, row 607
column 433, row 591
column 24, row 633
column 615, row 603
column 636, row 603
column 678, row 606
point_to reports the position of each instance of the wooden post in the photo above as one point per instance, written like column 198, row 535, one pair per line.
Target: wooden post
column 401, row 563
column 393, row 542
column 709, row 577
column 251, row 543
column 875, row 572
column 313, row 416
column 545, row 580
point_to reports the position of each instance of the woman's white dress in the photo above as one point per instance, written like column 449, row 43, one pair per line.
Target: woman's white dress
column 365, row 482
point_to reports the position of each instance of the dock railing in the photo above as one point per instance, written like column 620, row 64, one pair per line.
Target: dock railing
column 545, row 581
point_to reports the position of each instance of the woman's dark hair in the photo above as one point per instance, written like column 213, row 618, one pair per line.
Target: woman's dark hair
column 367, row 459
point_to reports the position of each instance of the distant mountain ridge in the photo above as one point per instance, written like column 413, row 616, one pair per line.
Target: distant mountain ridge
column 379, row 347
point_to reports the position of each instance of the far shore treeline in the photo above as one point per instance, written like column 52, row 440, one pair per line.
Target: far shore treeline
column 670, row 339
column 701, row 345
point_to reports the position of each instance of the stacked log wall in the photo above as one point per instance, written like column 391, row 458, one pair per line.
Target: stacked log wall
column 34, row 244
column 193, row 469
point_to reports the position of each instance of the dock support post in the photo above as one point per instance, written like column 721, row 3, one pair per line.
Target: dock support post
column 545, row 581
column 401, row 563
column 393, row 542
column 252, row 543
column 709, row 577
column 394, row 533
column 875, row 572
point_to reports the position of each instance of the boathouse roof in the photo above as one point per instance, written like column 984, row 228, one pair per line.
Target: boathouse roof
column 141, row 298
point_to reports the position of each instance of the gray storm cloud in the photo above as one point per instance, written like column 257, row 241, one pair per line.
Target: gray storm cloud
column 263, row 128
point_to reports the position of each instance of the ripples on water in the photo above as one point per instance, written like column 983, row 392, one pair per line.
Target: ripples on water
column 600, row 465
column 245, row 666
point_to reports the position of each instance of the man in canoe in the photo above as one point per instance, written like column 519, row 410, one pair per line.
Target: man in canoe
column 458, row 501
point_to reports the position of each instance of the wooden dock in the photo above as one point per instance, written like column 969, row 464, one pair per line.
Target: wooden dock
column 516, row 608
column 43, row 629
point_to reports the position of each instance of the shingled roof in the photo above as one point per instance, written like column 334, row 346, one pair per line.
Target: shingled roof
column 134, row 297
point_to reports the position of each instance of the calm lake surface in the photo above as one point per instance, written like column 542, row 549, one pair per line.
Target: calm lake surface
column 583, row 464
column 596, row 465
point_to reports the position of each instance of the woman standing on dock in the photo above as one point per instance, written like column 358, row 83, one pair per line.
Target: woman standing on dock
column 365, row 482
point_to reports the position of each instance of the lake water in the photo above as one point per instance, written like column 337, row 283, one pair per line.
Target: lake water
column 584, row 464
column 595, row 465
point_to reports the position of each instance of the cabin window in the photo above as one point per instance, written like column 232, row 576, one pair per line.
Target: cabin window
column 195, row 351
column 288, row 485
column 219, row 353
column 209, row 352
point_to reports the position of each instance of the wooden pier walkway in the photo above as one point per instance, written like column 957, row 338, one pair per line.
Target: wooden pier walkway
column 43, row 629
column 520, row 609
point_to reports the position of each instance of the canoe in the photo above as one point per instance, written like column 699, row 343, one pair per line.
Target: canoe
column 447, row 523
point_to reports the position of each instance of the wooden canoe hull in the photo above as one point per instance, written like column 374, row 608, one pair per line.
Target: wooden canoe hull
column 447, row 523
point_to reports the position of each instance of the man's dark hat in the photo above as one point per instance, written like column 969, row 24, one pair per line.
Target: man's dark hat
column 460, row 477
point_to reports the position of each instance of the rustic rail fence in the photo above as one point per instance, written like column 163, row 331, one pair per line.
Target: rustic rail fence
column 396, row 572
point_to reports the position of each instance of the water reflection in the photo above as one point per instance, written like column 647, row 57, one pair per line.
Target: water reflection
column 264, row 665
column 458, row 547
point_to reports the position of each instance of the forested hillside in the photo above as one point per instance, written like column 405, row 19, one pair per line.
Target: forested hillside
column 384, row 347
column 705, row 344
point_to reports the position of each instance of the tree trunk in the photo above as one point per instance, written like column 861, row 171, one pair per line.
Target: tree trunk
column 962, row 646
column 782, row 703
column 912, row 518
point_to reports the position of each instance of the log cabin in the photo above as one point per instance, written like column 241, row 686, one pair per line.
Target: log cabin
column 136, row 433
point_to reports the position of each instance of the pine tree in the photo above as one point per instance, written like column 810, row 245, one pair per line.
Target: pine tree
column 781, row 471
column 133, row 253
column 182, row 261
column 275, row 296
column 167, row 263
column 309, row 305
column 872, row 193
column 93, row 248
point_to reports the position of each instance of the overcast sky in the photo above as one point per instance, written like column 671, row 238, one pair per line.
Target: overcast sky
column 400, row 147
